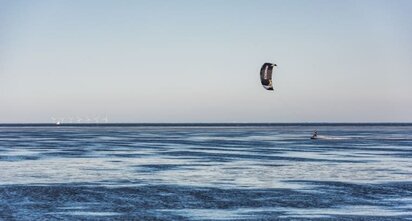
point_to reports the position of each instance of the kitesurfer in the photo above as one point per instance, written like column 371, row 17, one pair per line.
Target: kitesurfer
column 315, row 134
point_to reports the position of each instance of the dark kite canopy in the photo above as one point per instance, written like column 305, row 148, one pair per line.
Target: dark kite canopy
column 266, row 76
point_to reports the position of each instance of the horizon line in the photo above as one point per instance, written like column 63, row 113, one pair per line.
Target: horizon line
column 204, row 124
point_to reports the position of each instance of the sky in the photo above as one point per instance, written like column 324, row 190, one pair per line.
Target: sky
column 159, row 61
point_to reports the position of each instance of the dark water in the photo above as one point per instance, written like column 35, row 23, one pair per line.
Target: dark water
column 252, row 172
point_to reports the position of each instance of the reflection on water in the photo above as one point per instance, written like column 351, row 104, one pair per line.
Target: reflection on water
column 203, row 172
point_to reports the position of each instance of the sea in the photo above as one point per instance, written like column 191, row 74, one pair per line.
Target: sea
column 205, row 172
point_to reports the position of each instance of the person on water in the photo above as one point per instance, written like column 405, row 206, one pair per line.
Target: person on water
column 315, row 134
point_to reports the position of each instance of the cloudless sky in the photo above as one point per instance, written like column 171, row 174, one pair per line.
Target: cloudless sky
column 199, row 61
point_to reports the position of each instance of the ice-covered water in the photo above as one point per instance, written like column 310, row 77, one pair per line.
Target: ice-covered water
column 206, row 172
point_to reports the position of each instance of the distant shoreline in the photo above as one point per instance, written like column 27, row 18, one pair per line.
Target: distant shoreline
column 198, row 124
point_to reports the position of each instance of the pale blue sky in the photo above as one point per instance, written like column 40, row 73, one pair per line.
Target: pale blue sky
column 198, row 61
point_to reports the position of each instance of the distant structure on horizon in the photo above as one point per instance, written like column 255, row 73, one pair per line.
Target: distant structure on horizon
column 80, row 120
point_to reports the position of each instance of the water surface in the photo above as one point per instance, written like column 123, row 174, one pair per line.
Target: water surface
column 206, row 172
